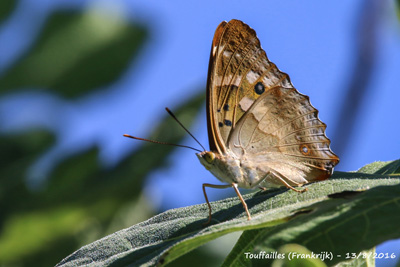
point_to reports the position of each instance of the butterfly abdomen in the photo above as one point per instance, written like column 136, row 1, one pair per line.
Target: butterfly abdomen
column 230, row 169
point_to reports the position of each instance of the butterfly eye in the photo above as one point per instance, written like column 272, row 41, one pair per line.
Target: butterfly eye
column 209, row 157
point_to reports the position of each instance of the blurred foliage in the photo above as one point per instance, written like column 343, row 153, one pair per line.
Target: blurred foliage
column 398, row 8
column 18, row 152
column 81, row 199
column 76, row 52
column 332, row 217
column 6, row 7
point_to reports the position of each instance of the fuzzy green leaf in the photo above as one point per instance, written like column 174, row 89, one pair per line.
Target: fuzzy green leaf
column 174, row 233
column 251, row 241
column 382, row 167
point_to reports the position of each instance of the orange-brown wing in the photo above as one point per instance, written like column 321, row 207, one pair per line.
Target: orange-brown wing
column 239, row 72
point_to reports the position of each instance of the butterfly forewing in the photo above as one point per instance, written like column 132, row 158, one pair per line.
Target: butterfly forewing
column 239, row 73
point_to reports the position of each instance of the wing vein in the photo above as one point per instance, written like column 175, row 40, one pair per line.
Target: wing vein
column 296, row 144
column 305, row 114
column 305, row 128
column 265, row 114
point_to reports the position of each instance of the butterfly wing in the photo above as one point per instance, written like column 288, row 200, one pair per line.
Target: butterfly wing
column 283, row 138
column 239, row 72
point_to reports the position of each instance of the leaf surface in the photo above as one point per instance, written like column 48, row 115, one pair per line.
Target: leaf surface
column 173, row 233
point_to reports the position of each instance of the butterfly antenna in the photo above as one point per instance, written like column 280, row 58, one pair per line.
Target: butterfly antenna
column 173, row 116
column 158, row 142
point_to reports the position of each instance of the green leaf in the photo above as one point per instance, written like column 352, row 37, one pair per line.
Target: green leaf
column 174, row 233
column 75, row 53
column 18, row 152
column 301, row 256
column 340, row 226
column 6, row 7
column 382, row 167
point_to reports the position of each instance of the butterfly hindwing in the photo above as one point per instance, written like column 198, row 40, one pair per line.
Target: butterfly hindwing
column 239, row 73
column 282, row 135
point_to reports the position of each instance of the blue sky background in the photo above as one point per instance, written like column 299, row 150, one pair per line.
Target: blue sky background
column 313, row 42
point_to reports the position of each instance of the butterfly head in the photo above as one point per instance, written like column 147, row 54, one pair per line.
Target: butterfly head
column 207, row 159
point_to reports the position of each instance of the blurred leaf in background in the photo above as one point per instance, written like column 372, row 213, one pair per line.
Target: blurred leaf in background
column 76, row 53
column 398, row 8
column 81, row 199
column 6, row 7
column 18, row 152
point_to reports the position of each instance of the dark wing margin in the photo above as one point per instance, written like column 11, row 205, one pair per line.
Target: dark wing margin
column 211, row 124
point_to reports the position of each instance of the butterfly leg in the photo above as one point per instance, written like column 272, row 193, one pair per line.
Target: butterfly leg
column 242, row 200
column 289, row 186
column 205, row 196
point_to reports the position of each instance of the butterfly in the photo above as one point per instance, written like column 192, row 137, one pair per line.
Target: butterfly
column 261, row 130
